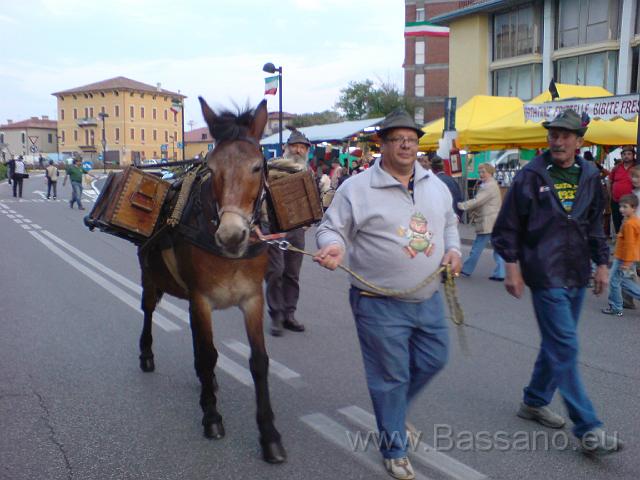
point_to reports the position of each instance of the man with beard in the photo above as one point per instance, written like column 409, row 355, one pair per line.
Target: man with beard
column 283, row 272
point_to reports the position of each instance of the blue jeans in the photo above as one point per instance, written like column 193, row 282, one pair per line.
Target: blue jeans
column 557, row 311
column 76, row 195
column 618, row 282
column 403, row 346
column 470, row 263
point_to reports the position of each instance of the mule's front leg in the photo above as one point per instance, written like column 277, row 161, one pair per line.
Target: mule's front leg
column 150, row 298
column 270, row 441
column 205, row 356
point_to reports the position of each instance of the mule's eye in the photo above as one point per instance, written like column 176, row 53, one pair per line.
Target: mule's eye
column 257, row 168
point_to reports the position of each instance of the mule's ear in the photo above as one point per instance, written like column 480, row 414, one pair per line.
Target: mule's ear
column 259, row 120
column 208, row 114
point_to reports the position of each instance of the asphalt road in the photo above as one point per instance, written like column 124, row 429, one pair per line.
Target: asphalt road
column 75, row 405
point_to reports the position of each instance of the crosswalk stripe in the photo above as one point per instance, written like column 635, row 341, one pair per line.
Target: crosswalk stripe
column 276, row 368
column 336, row 433
column 134, row 303
column 426, row 454
column 237, row 371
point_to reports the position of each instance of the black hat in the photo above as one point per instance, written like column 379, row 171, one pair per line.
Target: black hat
column 297, row 136
column 437, row 162
column 399, row 119
column 569, row 120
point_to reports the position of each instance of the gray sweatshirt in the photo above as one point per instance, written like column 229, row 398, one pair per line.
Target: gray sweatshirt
column 392, row 240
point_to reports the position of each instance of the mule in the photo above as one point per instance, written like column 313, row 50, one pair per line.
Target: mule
column 229, row 278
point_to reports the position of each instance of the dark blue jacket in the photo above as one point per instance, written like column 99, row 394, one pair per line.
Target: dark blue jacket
column 552, row 246
column 453, row 187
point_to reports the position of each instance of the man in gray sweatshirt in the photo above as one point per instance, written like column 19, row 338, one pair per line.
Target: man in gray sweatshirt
column 397, row 223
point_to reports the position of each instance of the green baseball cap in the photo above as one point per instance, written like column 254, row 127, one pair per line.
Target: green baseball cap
column 569, row 120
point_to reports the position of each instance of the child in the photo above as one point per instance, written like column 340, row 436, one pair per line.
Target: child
column 626, row 254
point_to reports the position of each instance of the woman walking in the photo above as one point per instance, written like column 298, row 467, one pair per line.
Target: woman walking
column 484, row 210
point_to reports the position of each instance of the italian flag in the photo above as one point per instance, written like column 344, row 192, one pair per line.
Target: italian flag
column 424, row 29
column 271, row 85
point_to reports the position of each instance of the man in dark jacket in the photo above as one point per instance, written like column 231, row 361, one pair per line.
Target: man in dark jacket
column 549, row 226
column 437, row 166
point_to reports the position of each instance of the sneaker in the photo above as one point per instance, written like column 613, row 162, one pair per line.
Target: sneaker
column 597, row 442
column 399, row 468
column 496, row 279
column 611, row 311
column 543, row 415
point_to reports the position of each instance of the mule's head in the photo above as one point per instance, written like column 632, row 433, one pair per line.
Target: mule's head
column 236, row 164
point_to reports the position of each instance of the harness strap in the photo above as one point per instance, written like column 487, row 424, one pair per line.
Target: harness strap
column 170, row 260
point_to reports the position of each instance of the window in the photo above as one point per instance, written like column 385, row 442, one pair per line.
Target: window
column 175, row 117
column 131, row 111
column 62, row 114
column 516, row 32
column 1, row 137
column 90, row 112
column 116, row 111
column 420, row 15
column 419, row 115
column 166, row 136
column 63, row 135
column 419, row 85
column 142, row 134
column 92, row 137
column 419, row 53
column 117, row 134
column 155, row 136
column 175, row 136
column 524, row 82
column 582, row 22
column 75, row 136
column 154, row 113
column 141, row 112
column 50, row 138
column 132, row 134
column 597, row 69
column 86, row 137
column 102, row 109
column 75, row 113
column 166, row 116
column 24, row 138
column 86, row 112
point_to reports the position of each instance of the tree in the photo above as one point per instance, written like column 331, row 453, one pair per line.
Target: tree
column 315, row 118
column 365, row 100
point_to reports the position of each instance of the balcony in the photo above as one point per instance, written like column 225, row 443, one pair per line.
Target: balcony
column 87, row 122
column 88, row 148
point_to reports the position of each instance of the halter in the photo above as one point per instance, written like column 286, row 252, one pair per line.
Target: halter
column 254, row 219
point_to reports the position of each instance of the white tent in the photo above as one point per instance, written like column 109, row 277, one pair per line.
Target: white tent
column 326, row 133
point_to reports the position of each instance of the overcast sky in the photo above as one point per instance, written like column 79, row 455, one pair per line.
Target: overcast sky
column 213, row 48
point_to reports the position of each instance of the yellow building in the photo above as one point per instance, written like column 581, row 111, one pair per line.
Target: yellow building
column 198, row 142
column 516, row 47
column 140, row 121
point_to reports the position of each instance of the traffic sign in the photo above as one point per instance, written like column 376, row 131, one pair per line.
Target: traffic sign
column 87, row 165
column 210, row 146
column 33, row 149
column 179, row 144
column 100, row 156
column 164, row 147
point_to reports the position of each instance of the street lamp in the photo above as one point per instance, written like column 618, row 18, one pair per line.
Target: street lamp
column 271, row 68
column 102, row 116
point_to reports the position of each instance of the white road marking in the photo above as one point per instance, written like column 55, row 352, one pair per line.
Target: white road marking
column 17, row 220
column 134, row 303
column 10, row 216
column 237, row 371
column 169, row 307
column 336, row 433
column 26, row 227
column 36, row 226
column 276, row 368
column 426, row 454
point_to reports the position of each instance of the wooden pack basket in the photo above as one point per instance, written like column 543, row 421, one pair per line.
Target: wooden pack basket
column 295, row 201
column 129, row 204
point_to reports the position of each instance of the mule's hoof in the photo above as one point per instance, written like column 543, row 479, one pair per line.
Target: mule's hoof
column 147, row 364
column 214, row 430
column 274, row 452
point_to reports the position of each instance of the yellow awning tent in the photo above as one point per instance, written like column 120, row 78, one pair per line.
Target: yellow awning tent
column 478, row 111
column 512, row 131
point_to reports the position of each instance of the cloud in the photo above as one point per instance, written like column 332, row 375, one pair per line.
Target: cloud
column 7, row 19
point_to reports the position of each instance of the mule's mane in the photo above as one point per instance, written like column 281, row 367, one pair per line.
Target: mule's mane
column 230, row 125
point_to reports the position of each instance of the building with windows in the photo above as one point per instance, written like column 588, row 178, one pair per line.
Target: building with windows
column 198, row 142
column 426, row 57
column 515, row 47
column 34, row 136
column 140, row 121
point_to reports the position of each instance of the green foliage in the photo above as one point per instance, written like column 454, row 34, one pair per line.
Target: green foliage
column 316, row 118
column 3, row 172
column 366, row 100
